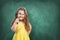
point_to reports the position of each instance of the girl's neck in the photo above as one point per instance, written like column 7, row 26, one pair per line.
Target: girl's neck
column 20, row 20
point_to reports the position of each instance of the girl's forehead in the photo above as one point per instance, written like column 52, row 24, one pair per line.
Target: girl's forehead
column 21, row 11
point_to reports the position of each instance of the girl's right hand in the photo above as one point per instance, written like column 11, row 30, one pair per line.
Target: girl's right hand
column 13, row 28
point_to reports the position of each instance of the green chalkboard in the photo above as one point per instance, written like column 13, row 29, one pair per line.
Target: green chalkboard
column 44, row 16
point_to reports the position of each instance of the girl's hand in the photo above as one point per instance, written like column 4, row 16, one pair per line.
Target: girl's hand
column 13, row 28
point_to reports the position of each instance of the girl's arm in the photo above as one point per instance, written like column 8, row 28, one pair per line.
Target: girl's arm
column 30, row 28
column 13, row 27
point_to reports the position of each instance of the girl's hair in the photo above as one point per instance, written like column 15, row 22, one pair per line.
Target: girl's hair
column 25, row 20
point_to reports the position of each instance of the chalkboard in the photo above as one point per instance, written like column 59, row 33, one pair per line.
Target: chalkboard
column 43, row 15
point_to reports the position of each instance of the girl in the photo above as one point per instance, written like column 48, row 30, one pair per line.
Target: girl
column 20, row 25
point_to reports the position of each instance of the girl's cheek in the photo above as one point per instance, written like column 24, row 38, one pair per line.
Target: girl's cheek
column 23, row 15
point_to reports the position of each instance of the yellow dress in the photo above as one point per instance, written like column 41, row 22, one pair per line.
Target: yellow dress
column 20, row 33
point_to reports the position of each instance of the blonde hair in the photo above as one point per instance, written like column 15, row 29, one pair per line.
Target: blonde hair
column 27, row 27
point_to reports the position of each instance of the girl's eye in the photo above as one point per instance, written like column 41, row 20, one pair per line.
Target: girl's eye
column 22, row 14
column 19, row 13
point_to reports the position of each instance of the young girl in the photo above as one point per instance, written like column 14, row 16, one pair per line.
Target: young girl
column 20, row 25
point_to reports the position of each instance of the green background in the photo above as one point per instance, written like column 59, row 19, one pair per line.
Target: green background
column 44, row 16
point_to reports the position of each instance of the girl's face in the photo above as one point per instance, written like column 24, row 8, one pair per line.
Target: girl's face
column 21, row 14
